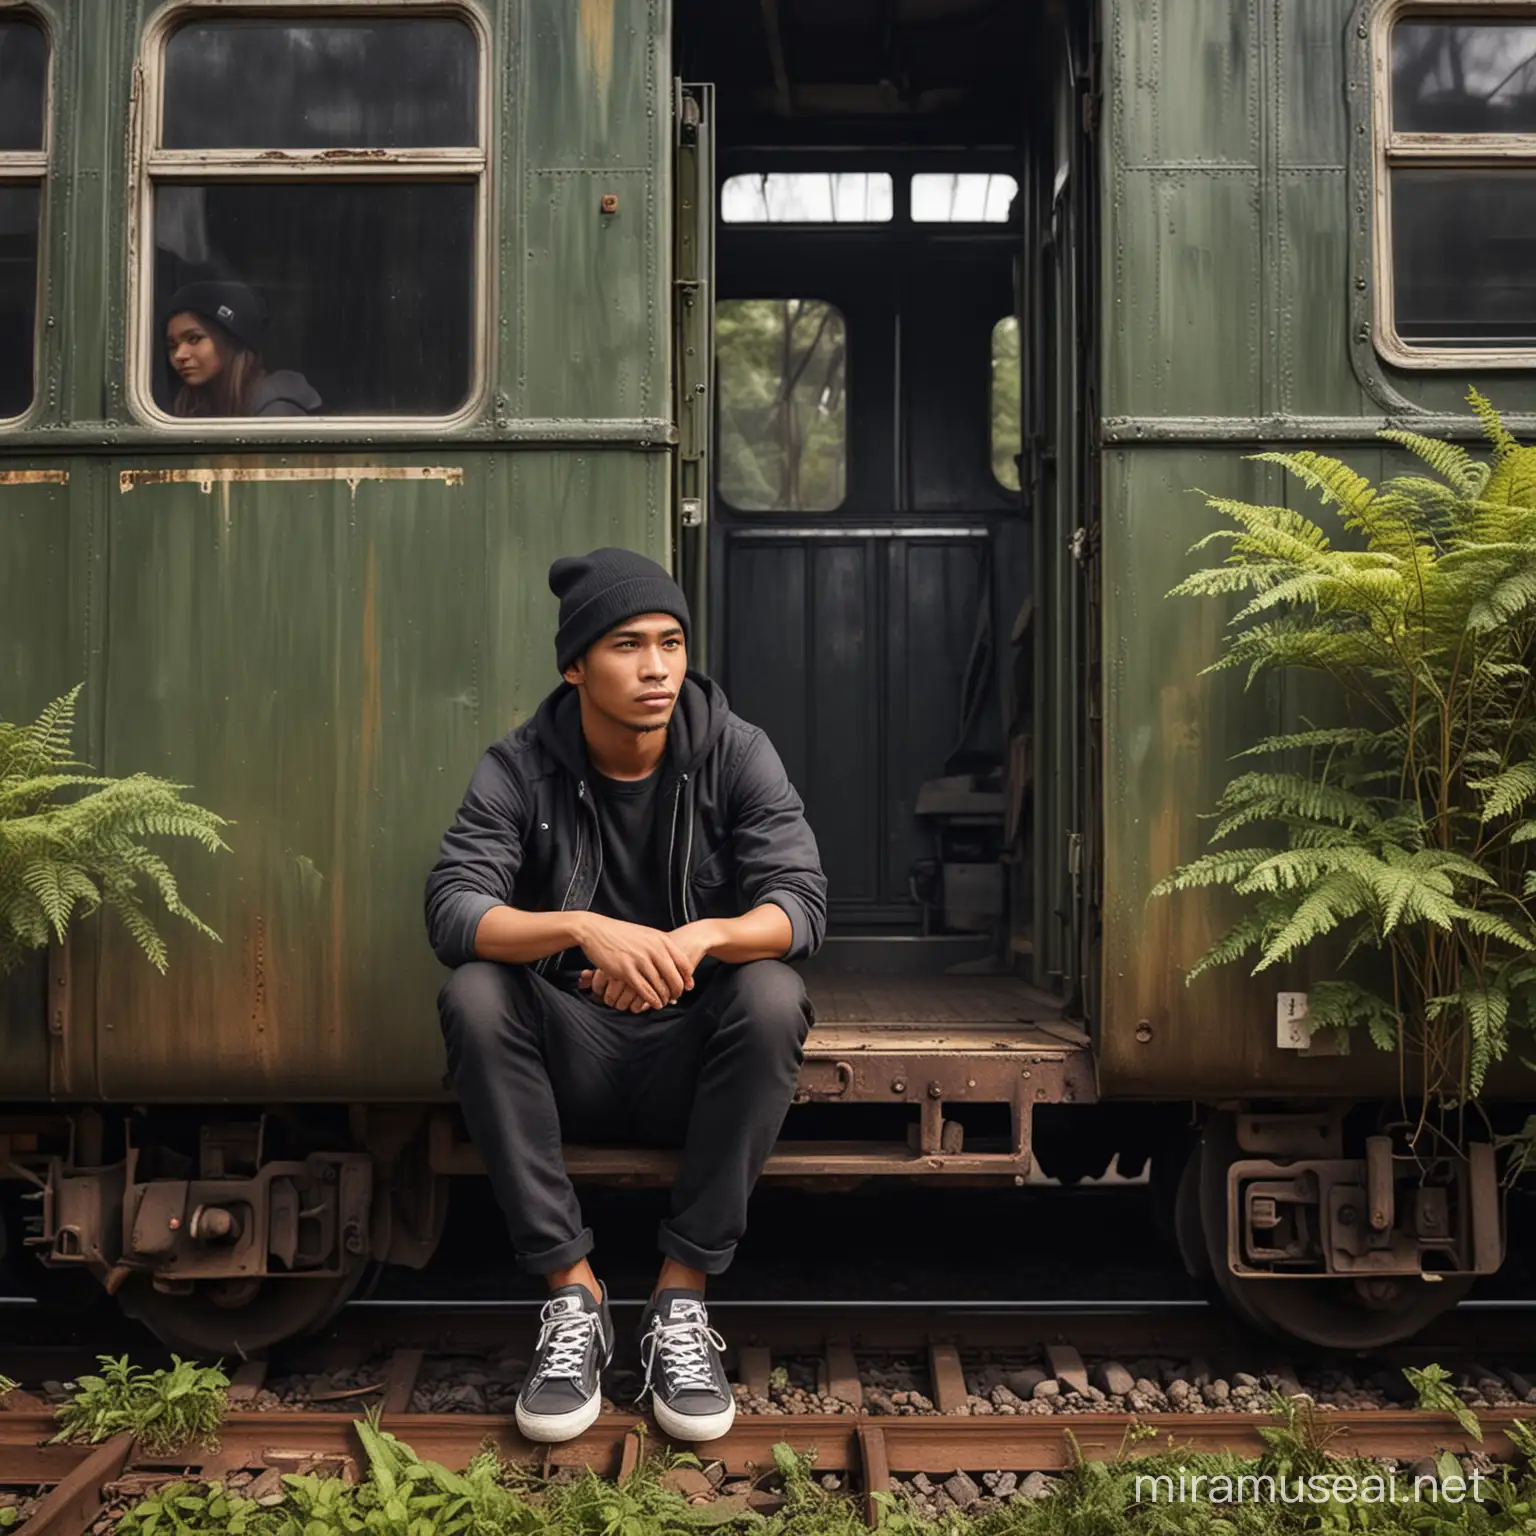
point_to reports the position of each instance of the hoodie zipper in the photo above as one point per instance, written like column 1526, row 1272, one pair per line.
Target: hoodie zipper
column 677, row 800
column 565, row 901
column 687, row 858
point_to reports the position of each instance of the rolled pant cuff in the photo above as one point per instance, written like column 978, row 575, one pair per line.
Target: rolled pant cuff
column 547, row 1260
column 713, row 1261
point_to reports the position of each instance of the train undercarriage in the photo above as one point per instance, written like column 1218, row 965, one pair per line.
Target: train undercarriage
column 227, row 1229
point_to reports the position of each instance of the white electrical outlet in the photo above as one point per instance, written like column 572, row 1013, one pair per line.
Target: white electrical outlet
column 1292, row 1032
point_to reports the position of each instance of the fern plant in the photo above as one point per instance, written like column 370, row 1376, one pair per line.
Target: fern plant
column 71, row 841
column 1397, row 829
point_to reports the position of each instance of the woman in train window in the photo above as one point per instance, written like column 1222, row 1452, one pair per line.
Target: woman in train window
column 214, row 335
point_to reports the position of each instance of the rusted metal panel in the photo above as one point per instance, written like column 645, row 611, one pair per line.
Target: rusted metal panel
column 46, row 571
column 598, row 99
column 1170, row 738
column 323, row 653
column 1186, row 275
column 606, row 354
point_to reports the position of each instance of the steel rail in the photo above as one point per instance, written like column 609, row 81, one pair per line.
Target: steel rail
column 870, row 1448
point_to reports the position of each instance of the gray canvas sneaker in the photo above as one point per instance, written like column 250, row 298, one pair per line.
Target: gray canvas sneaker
column 563, row 1393
column 685, row 1369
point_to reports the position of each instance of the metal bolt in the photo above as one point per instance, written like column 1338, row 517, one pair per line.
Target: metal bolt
column 1143, row 1032
column 1039, row 1093
column 175, row 1223
column 970, row 1082
column 1018, row 1180
column 1347, row 1216
column 898, row 1085
column 1025, row 1072
column 935, row 1091
column 610, row 202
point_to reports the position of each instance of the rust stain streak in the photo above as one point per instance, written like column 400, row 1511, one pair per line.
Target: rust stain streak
column 34, row 477
column 371, row 707
column 597, row 19
column 352, row 475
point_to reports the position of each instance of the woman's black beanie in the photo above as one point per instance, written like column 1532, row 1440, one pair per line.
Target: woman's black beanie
column 239, row 309
column 599, row 591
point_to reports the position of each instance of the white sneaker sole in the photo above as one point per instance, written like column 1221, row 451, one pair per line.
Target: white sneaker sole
column 692, row 1426
column 550, row 1428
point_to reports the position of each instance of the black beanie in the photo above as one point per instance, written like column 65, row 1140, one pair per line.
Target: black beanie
column 599, row 591
column 239, row 309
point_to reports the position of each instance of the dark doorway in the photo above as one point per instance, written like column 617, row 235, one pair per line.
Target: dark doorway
column 870, row 546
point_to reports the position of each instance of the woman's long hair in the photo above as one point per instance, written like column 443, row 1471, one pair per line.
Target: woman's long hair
column 229, row 393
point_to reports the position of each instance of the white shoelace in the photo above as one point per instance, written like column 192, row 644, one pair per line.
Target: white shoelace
column 683, row 1348
column 567, row 1334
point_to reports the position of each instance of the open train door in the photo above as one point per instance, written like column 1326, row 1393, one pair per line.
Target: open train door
column 1059, row 319
column 693, row 342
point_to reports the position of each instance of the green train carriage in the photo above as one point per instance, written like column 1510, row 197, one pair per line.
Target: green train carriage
column 903, row 340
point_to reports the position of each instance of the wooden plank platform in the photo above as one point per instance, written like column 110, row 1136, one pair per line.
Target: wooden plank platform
column 929, row 1000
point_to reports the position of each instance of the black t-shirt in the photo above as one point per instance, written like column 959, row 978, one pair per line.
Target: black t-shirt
column 633, row 883
column 632, row 814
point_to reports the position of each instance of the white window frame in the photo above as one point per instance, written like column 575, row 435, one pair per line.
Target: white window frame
column 1452, row 150
column 154, row 165
column 29, row 168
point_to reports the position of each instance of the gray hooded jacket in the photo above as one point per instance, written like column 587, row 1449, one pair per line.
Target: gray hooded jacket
column 527, row 832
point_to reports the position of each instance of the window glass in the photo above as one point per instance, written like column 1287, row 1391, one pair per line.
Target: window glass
column 961, row 197
column 18, row 295
column 782, row 366
column 23, row 83
column 1452, row 78
column 363, row 294
column 807, row 197
column 1006, row 419
column 1456, row 291
column 389, row 84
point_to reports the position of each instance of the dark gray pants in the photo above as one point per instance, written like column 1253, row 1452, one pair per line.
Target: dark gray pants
column 535, row 1065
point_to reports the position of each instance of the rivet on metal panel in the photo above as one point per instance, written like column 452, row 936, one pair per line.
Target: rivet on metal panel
column 935, row 1091
column 898, row 1085
column 1143, row 1032
column 1025, row 1072
column 610, row 203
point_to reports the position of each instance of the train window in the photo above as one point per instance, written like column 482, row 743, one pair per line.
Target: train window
column 23, row 84
column 782, row 366
column 382, row 84
column 1007, row 422
column 807, row 197
column 23, row 164
column 1448, row 77
column 962, row 197
column 1454, row 153
column 344, row 287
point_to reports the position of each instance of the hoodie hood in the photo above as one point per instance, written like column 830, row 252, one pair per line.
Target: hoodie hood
column 697, row 724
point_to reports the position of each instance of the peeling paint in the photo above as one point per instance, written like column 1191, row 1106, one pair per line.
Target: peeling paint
column 352, row 475
column 34, row 477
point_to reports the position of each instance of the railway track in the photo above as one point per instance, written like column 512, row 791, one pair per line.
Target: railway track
column 864, row 1447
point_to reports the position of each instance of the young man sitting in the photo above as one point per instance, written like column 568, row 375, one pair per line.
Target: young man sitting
column 618, row 895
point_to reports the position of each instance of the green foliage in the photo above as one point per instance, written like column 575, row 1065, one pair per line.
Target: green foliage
column 1007, row 416
column 1390, row 838
column 7, row 1386
column 402, row 1495
column 782, row 367
column 1436, row 1395
column 165, row 1409
column 66, row 857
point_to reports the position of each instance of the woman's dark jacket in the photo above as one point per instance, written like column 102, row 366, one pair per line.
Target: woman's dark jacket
column 527, row 833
